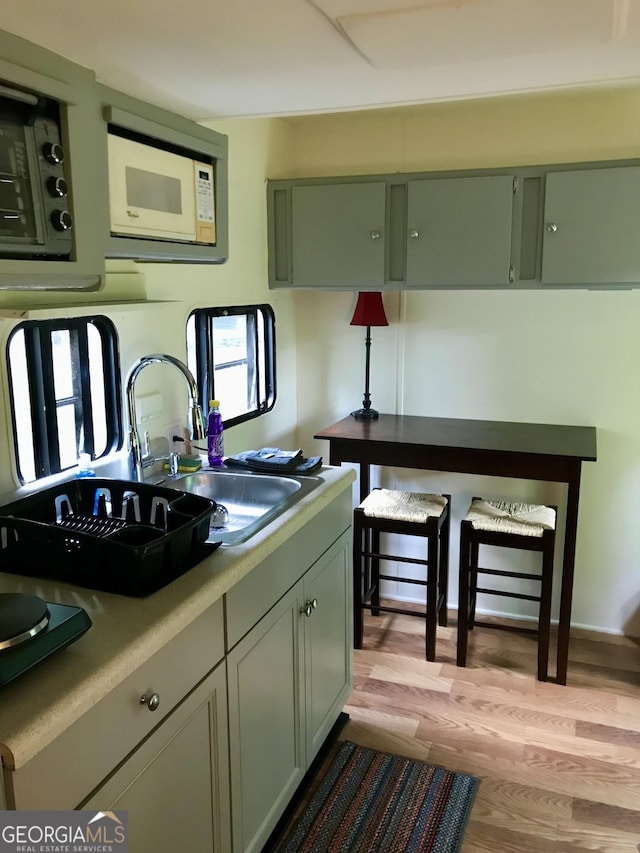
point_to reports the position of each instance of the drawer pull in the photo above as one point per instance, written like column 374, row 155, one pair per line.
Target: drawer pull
column 151, row 700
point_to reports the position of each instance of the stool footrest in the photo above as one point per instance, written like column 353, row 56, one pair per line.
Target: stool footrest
column 383, row 608
column 520, row 595
column 395, row 559
column 518, row 629
column 402, row 580
column 525, row 576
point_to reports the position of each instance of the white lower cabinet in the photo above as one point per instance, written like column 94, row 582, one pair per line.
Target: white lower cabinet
column 240, row 700
column 289, row 678
column 175, row 785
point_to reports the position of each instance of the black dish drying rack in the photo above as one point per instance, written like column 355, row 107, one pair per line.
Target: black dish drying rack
column 112, row 535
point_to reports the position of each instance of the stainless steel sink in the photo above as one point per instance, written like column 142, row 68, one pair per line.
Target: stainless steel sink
column 251, row 500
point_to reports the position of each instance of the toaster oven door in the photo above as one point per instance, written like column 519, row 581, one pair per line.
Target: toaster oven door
column 18, row 213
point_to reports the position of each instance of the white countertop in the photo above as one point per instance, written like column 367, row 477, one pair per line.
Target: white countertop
column 126, row 632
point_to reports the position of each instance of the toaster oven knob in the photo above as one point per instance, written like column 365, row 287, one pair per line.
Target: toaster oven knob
column 57, row 187
column 61, row 220
column 53, row 152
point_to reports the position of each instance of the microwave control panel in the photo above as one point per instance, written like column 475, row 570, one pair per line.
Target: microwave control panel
column 205, row 203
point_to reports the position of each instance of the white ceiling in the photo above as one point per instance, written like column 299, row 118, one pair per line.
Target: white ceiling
column 284, row 57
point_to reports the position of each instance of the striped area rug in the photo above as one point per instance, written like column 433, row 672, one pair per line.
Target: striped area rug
column 370, row 801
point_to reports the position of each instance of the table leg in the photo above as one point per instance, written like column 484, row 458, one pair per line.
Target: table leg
column 568, row 565
column 365, row 480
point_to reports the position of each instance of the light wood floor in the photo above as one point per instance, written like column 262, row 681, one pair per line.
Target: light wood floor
column 559, row 767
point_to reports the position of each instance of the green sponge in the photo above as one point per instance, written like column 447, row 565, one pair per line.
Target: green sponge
column 186, row 464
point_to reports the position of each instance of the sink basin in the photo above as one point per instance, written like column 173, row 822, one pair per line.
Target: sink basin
column 251, row 500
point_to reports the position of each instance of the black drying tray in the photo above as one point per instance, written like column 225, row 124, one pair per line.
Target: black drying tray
column 113, row 535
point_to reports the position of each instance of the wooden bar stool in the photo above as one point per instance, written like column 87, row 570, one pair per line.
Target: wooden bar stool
column 409, row 514
column 526, row 527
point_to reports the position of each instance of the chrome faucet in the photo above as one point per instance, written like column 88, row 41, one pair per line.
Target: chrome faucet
column 196, row 421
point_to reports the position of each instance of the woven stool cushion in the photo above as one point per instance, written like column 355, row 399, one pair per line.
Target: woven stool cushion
column 504, row 517
column 403, row 506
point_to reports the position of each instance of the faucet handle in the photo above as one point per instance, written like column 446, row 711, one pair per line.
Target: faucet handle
column 172, row 460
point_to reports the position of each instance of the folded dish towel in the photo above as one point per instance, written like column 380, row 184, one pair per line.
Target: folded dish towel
column 275, row 461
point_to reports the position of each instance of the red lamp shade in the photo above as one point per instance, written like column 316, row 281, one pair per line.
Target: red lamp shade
column 369, row 310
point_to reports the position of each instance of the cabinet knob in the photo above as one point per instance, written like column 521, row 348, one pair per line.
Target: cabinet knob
column 552, row 227
column 309, row 607
column 151, row 700
column 375, row 235
column 414, row 233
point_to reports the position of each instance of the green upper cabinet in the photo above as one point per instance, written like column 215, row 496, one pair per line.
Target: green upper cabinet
column 534, row 227
column 592, row 226
column 459, row 231
column 338, row 235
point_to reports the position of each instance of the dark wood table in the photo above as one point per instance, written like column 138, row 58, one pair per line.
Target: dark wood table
column 547, row 452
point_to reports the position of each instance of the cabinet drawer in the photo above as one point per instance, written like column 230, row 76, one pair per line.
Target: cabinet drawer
column 65, row 772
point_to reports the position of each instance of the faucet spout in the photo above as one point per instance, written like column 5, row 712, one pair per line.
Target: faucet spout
column 196, row 419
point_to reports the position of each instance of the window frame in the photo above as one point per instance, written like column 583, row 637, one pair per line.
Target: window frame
column 204, row 356
column 43, row 405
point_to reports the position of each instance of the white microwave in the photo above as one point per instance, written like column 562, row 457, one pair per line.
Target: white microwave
column 158, row 195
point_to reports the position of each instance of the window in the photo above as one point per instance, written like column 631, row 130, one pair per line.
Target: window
column 231, row 352
column 64, row 384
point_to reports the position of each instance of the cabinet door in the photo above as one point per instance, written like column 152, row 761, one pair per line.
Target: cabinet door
column 266, row 721
column 328, row 641
column 459, row 231
column 338, row 235
column 175, row 786
column 591, row 226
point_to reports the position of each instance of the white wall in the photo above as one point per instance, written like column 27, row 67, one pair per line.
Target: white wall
column 568, row 357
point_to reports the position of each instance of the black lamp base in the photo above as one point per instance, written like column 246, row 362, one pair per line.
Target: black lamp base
column 365, row 415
